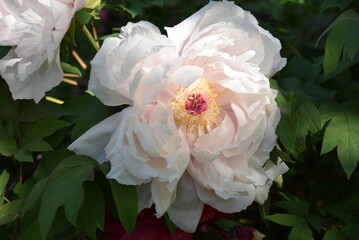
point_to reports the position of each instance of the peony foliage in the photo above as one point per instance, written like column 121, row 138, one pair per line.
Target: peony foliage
column 175, row 119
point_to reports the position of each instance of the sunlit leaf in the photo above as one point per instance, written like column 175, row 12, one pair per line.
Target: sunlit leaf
column 343, row 132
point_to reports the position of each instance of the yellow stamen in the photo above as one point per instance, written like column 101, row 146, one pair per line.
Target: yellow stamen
column 195, row 122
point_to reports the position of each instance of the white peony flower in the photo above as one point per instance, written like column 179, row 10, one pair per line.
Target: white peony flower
column 203, row 117
column 35, row 29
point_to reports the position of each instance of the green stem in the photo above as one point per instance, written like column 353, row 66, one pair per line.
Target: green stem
column 16, row 227
column 86, row 32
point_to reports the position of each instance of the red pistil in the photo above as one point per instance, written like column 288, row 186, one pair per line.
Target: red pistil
column 195, row 104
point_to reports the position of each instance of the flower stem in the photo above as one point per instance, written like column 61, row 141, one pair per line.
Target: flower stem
column 87, row 33
column 95, row 34
column 16, row 227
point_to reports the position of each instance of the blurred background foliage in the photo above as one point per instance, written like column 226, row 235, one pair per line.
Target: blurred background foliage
column 46, row 192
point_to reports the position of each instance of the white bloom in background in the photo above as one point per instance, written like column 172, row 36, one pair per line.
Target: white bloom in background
column 34, row 29
column 203, row 117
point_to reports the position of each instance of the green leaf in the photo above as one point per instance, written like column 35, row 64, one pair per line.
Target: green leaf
column 38, row 146
column 294, row 205
column 4, row 178
column 23, row 156
column 34, row 134
column 343, row 132
column 292, row 133
column 9, row 211
column 170, row 225
column 92, row 212
column 9, row 108
column 86, row 116
column 301, row 232
column 288, row 220
column 22, row 190
column 8, row 144
column 70, row 34
column 316, row 222
column 32, row 112
column 284, row 156
column 340, row 39
column 344, row 37
column 308, row 116
column 64, row 188
column 34, row 194
column 343, row 65
column 31, row 232
column 335, row 3
column 136, row 7
column 125, row 198
column 333, row 234
column 328, row 110
column 70, row 69
column 93, row 4
column 346, row 16
column 351, row 230
column 50, row 161
column 84, row 15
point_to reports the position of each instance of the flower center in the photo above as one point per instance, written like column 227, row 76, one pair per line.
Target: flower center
column 196, row 107
column 195, row 104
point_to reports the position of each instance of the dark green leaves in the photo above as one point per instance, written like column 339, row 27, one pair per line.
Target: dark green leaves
column 34, row 135
column 9, row 211
column 125, row 198
column 298, row 119
column 333, row 234
column 8, row 144
column 294, row 205
column 9, row 108
column 300, row 229
column 343, row 38
column 343, row 132
column 32, row 112
column 135, row 7
column 85, row 117
column 64, row 188
column 335, row 3
column 92, row 212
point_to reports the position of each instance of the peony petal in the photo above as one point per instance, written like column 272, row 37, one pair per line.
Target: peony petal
column 209, row 146
column 180, row 33
column 231, row 22
column 144, row 196
column 230, row 205
column 32, row 67
column 93, row 142
column 34, row 86
column 262, row 192
column 124, row 70
column 186, row 210
column 273, row 171
column 184, row 76
column 102, row 83
column 162, row 196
